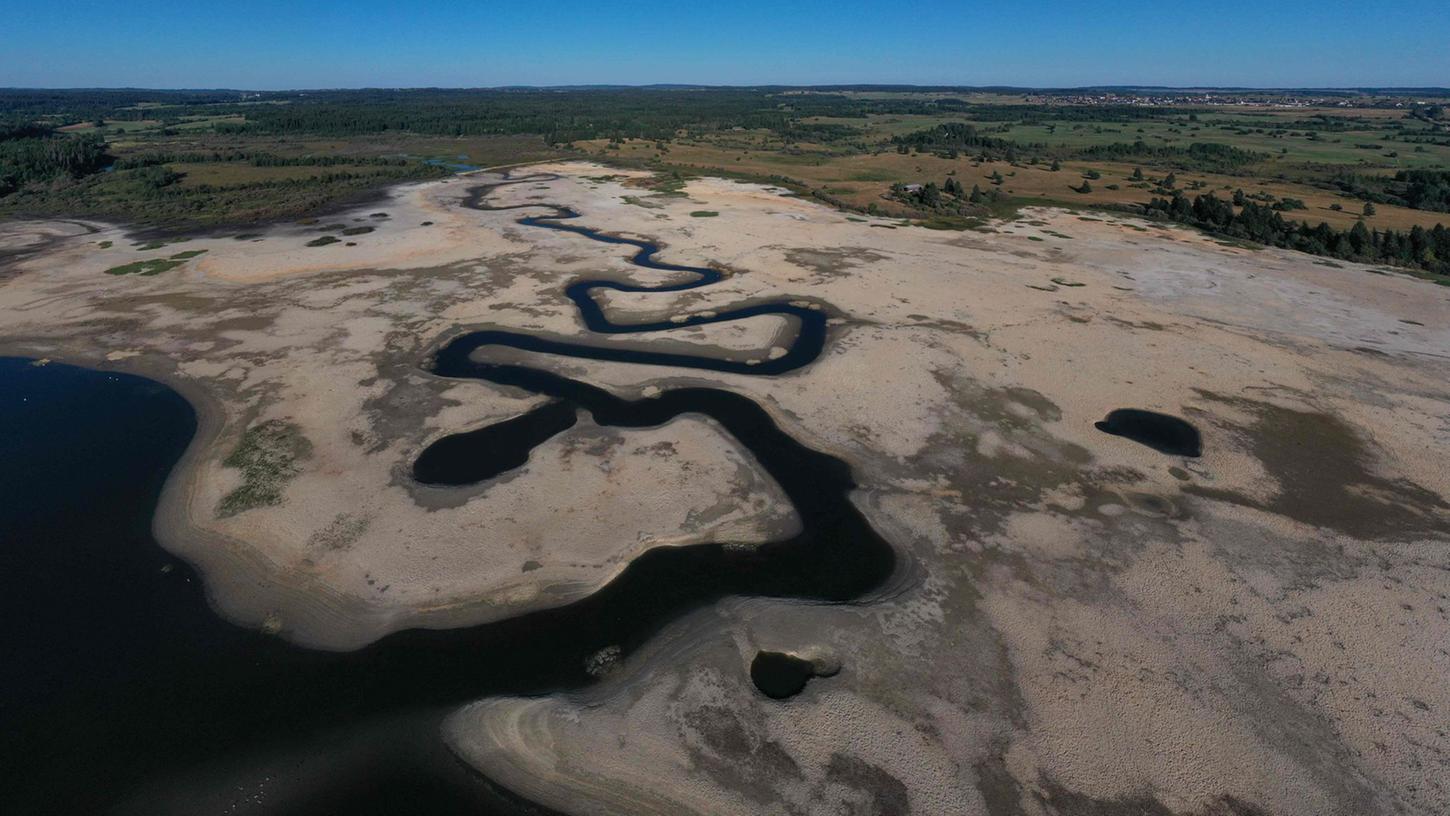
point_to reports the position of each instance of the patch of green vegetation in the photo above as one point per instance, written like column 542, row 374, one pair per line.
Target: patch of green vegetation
column 873, row 175
column 247, row 236
column 951, row 222
column 154, row 266
column 105, row 245
column 323, row 241
column 671, row 185
column 267, row 455
column 188, row 254
column 356, row 230
column 704, row 214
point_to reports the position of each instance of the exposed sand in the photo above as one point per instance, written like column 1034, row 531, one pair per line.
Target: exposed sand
column 1080, row 624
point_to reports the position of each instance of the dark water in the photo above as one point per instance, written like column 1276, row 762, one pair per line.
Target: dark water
column 119, row 685
column 1161, row 432
column 474, row 456
column 779, row 675
column 806, row 347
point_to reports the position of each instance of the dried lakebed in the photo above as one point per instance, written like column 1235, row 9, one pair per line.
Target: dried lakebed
column 455, row 558
column 837, row 556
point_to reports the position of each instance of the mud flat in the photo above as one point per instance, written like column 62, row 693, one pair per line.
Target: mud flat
column 1076, row 622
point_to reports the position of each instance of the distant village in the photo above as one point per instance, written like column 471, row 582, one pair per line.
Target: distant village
column 1254, row 99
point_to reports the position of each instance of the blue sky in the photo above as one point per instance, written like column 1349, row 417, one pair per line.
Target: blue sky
column 300, row 44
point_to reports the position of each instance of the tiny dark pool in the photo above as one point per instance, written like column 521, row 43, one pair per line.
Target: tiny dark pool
column 779, row 675
column 1161, row 432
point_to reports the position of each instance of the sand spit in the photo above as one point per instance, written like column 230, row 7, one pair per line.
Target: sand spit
column 1081, row 623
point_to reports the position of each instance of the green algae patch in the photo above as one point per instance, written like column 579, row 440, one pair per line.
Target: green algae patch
column 268, row 456
column 154, row 266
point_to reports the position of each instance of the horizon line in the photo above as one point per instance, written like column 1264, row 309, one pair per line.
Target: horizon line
column 763, row 86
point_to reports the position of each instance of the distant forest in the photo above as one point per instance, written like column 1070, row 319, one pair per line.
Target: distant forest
column 182, row 157
column 561, row 116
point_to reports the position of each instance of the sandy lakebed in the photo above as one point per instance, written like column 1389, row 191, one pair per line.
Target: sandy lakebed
column 1074, row 623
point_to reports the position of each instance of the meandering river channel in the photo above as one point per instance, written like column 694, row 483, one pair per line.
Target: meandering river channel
column 121, row 689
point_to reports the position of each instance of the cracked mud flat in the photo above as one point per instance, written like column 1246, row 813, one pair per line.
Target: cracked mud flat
column 1078, row 624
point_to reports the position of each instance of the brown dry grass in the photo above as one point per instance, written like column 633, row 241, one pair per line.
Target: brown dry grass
column 863, row 179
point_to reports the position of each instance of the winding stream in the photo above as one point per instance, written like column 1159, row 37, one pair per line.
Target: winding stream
column 119, row 674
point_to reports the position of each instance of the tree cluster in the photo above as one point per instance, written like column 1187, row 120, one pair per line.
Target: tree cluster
column 28, row 156
column 1418, row 248
column 1206, row 157
column 948, row 197
column 1416, row 189
column 955, row 136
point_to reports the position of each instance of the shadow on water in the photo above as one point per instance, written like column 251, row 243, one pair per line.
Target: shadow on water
column 117, row 676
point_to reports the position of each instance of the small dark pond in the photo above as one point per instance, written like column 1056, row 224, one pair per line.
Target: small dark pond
column 1161, row 432
column 779, row 675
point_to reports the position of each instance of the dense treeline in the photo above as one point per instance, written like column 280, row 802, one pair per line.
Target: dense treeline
column 1207, row 157
column 85, row 105
column 29, row 154
column 1416, row 189
column 564, row 116
column 1419, row 248
column 254, row 158
column 954, row 136
column 560, row 116
column 23, row 129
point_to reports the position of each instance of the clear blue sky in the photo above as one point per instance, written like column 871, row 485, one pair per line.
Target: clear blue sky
column 302, row 44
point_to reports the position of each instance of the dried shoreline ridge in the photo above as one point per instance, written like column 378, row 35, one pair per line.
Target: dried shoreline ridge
column 1077, row 621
